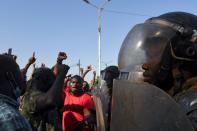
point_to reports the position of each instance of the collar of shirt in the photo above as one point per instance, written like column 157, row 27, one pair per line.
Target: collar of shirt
column 8, row 100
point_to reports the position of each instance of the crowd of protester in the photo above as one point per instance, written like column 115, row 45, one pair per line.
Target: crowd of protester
column 48, row 100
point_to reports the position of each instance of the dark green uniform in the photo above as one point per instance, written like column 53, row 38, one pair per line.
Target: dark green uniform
column 39, row 120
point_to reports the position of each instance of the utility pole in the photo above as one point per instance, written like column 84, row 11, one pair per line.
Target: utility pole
column 79, row 65
column 99, row 11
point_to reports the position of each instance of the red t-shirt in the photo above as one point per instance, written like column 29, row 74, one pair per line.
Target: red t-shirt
column 74, row 108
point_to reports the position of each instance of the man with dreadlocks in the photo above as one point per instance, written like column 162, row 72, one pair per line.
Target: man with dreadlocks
column 11, row 85
column 43, row 97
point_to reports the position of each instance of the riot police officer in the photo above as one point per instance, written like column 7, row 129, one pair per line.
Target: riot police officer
column 166, row 48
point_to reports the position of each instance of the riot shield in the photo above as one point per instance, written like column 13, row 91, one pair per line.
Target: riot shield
column 144, row 107
column 99, row 113
column 102, row 101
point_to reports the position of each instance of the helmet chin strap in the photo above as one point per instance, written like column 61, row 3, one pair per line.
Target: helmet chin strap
column 178, row 79
column 163, row 77
column 180, row 76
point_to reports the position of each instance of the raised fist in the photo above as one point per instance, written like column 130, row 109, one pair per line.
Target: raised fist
column 32, row 59
column 62, row 56
column 89, row 67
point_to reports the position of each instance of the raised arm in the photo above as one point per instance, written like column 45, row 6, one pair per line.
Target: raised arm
column 61, row 56
column 33, row 70
column 88, row 69
column 30, row 61
column 53, row 96
column 93, row 79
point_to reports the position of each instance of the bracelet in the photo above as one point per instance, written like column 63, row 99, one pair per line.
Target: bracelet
column 59, row 61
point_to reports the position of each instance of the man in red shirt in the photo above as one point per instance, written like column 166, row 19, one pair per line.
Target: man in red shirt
column 78, row 112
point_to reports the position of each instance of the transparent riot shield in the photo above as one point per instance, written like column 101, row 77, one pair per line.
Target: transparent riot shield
column 144, row 107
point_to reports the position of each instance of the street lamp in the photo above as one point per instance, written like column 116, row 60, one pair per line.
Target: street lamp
column 99, row 10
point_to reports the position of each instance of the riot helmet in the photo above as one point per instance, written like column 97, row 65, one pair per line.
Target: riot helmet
column 159, row 42
column 110, row 73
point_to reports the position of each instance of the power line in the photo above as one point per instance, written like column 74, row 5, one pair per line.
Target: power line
column 125, row 13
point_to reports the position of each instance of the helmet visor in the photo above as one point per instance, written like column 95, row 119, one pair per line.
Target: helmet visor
column 140, row 44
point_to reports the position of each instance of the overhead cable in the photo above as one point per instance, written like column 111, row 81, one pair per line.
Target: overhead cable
column 125, row 13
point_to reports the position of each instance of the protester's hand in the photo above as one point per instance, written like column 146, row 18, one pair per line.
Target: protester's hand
column 62, row 56
column 63, row 68
column 32, row 59
column 89, row 67
column 43, row 65
column 190, row 83
column 14, row 57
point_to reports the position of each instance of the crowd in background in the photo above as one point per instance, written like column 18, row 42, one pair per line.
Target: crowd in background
column 49, row 100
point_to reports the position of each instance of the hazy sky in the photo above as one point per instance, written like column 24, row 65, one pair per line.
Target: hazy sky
column 50, row 26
